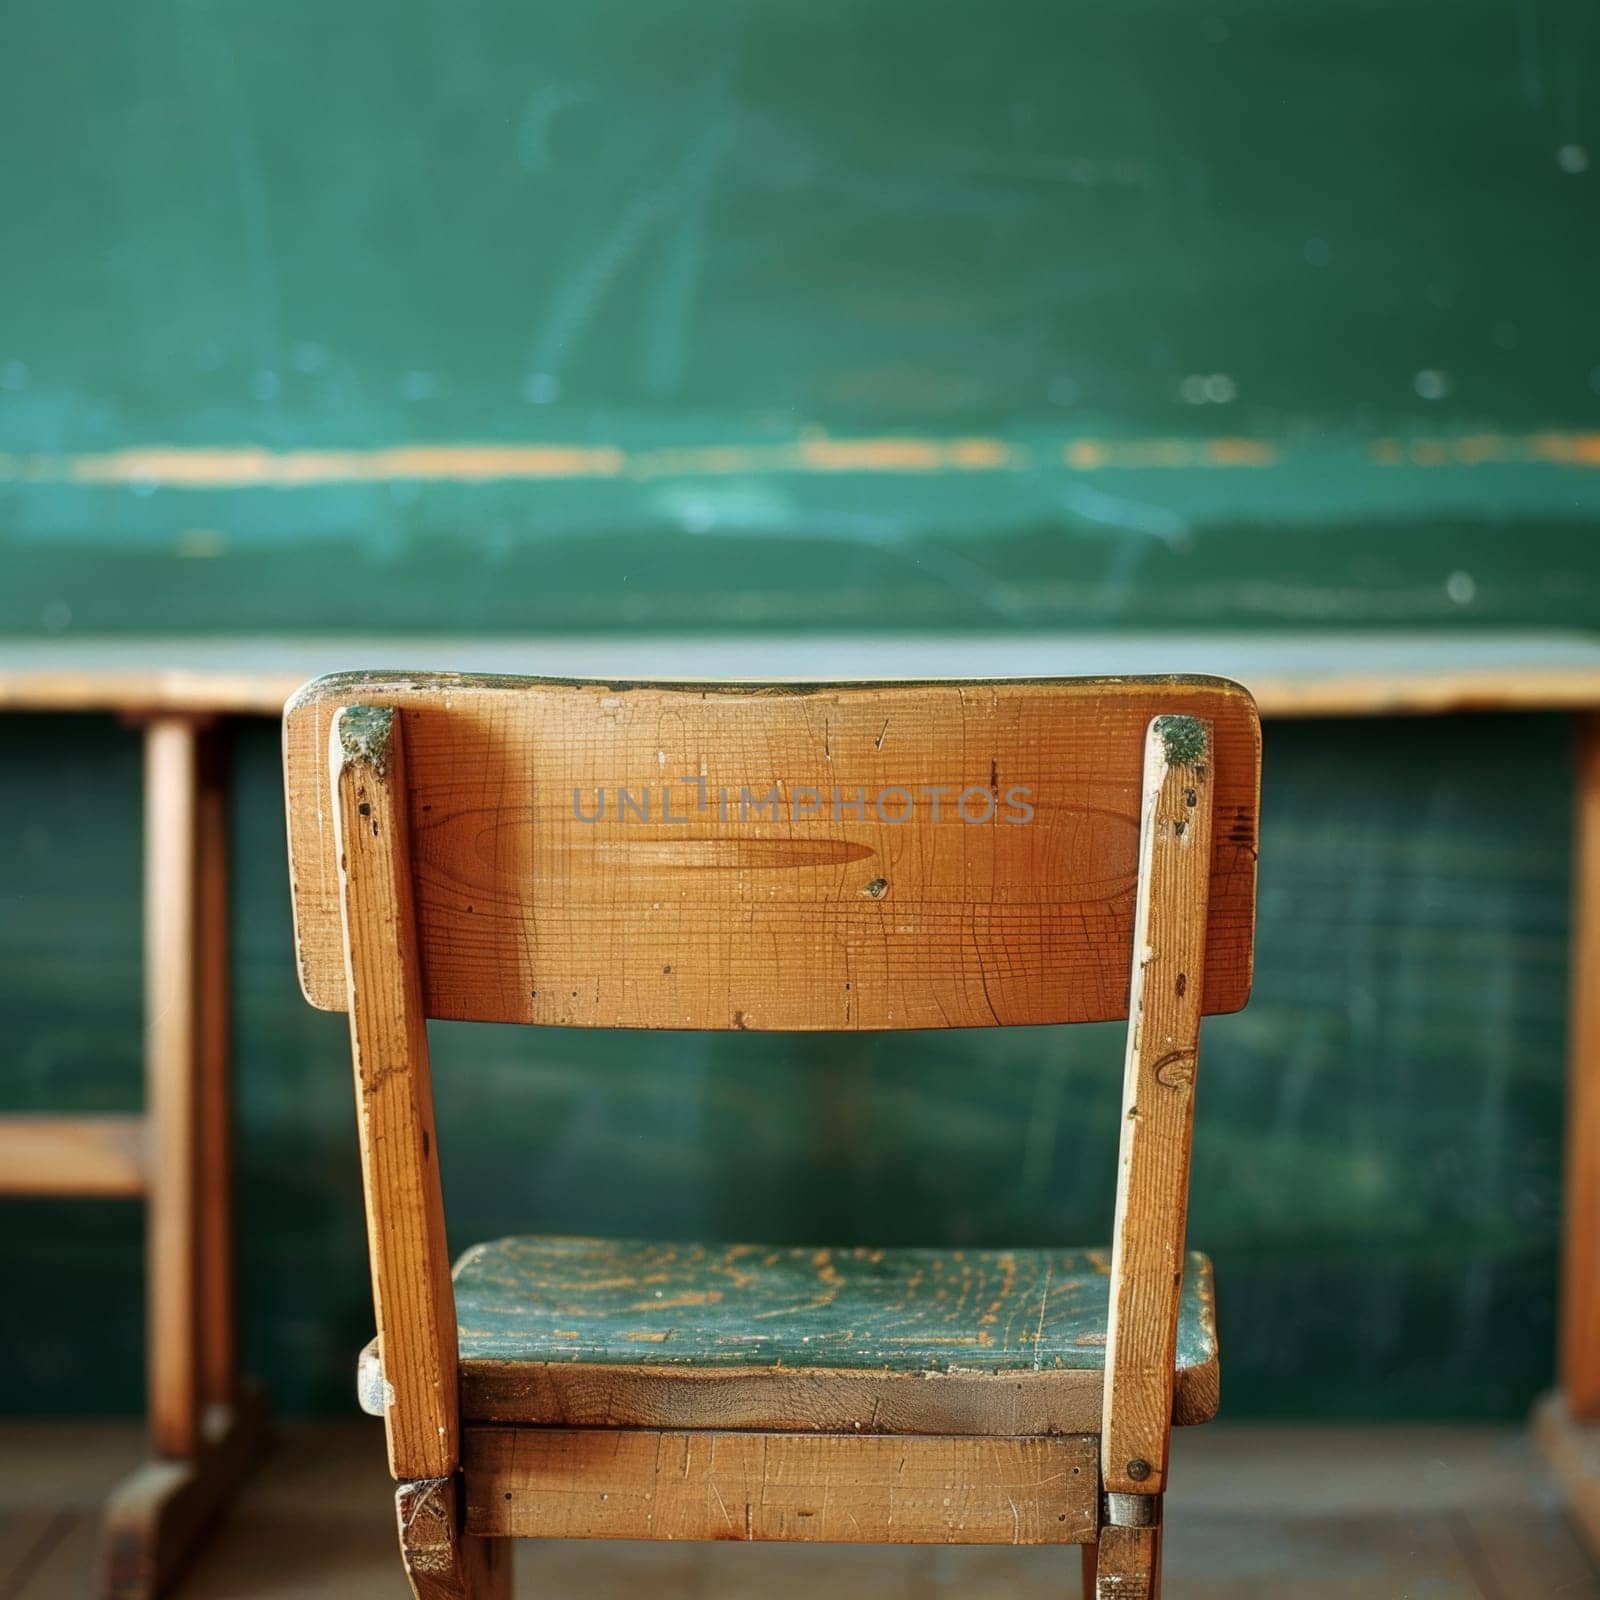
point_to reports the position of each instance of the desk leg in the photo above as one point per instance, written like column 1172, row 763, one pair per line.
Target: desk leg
column 204, row 1426
column 1567, row 1423
column 218, row 1347
column 172, row 1081
column 1580, row 1311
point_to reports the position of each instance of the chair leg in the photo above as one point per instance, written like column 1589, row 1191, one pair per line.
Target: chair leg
column 1128, row 1564
column 1091, row 1561
column 443, row 1561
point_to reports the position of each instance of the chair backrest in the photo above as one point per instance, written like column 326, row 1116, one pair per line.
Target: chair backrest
column 901, row 855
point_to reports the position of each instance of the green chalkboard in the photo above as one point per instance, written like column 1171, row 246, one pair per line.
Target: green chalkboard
column 867, row 317
column 859, row 314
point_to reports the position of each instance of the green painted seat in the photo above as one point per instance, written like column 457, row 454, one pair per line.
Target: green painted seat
column 630, row 1333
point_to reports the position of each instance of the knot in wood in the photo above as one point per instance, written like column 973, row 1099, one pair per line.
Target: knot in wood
column 1176, row 1070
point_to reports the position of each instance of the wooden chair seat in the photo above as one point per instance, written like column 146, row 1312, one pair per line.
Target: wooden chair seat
column 630, row 1333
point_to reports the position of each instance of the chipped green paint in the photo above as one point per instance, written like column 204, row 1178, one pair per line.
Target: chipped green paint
column 1183, row 739
column 629, row 1302
column 364, row 734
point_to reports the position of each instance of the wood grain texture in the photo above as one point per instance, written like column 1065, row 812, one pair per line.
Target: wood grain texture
column 1169, row 968
column 442, row 1561
column 104, row 1156
column 411, row 1291
column 814, row 919
column 810, row 1399
column 615, row 1483
column 630, row 1333
column 1128, row 1564
column 172, row 1081
column 1580, row 1306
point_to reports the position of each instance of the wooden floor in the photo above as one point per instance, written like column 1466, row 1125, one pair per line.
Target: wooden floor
column 1314, row 1512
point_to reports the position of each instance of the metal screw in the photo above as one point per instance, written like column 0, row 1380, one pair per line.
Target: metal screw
column 1138, row 1469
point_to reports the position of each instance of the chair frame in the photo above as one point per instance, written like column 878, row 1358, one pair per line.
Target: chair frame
column 464, row 1491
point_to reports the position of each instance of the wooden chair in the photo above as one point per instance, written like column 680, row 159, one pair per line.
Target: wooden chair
column 757, row 857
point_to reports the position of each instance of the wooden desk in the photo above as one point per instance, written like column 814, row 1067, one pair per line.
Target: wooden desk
column 203, row 1422
column 1302, row 675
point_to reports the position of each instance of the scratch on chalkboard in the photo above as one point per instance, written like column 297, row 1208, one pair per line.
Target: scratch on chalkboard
column 222, row 79
column 679, row 210
column 1133, row 516
column 668, row 326
column 576, row 300
column 1530, row 67
column 544, row 105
